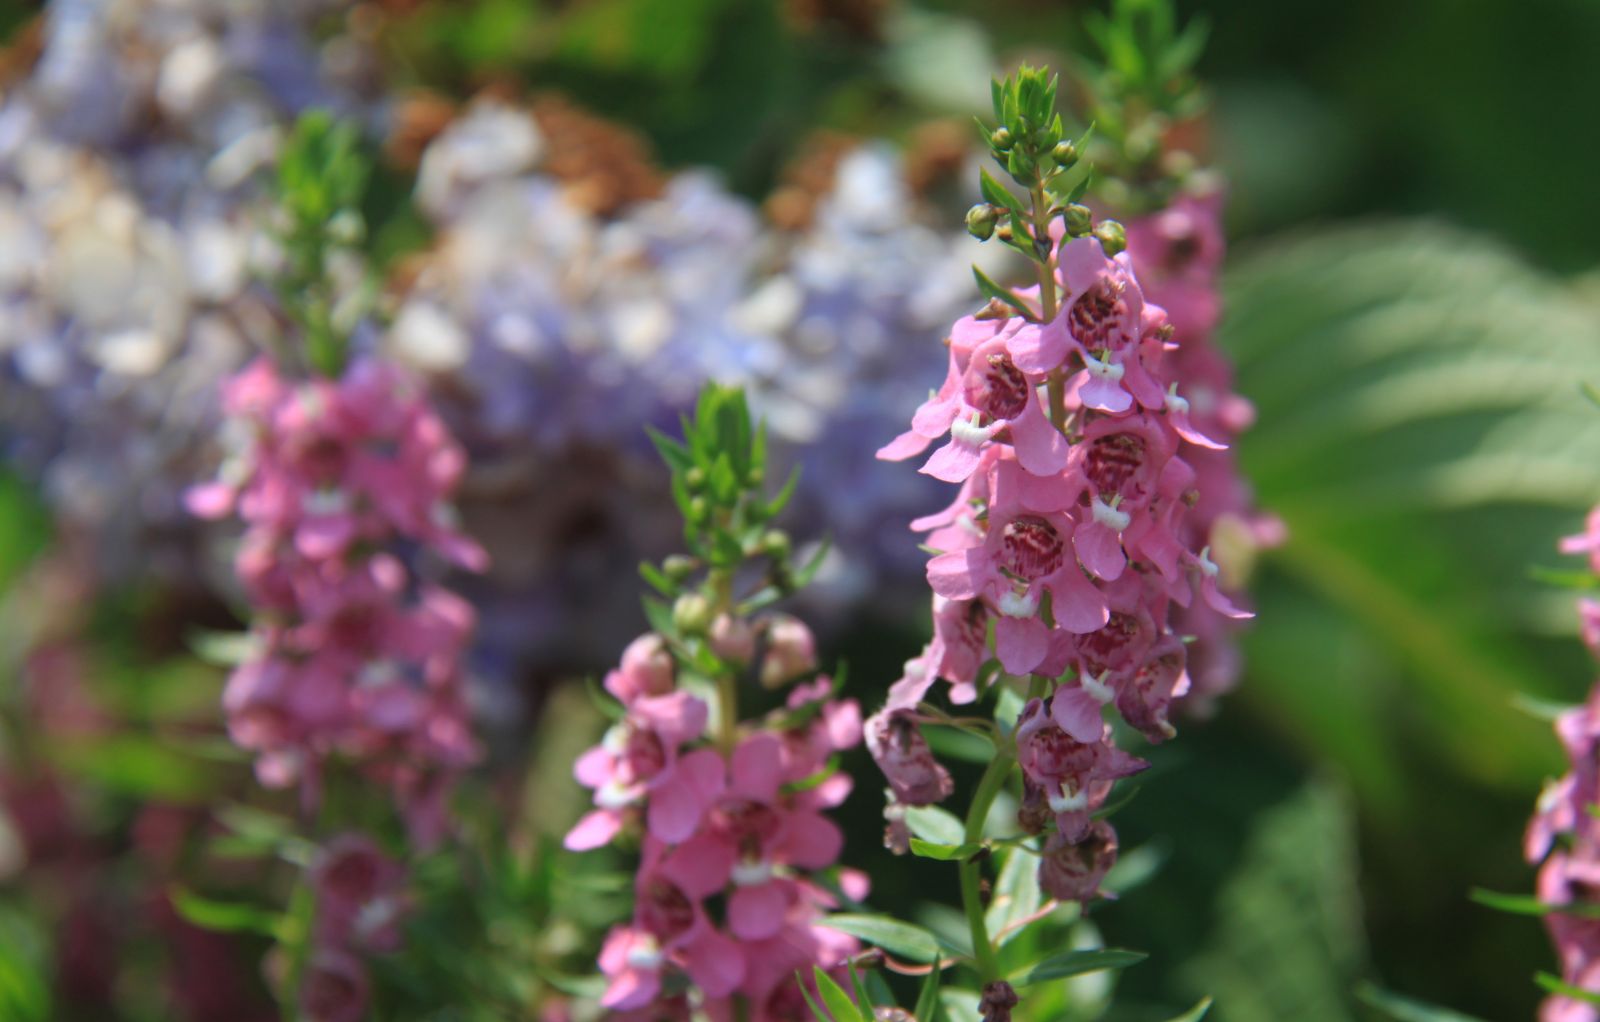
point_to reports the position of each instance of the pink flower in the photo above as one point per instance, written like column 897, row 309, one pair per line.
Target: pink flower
column 791, row 651
column 646, row 670
column 1073, row 870
column 902, row 754
column 639, row 758
column 360, row 894
column 334, row 987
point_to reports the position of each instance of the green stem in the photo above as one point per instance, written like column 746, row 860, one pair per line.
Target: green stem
column 994, row 778
column 727, row 681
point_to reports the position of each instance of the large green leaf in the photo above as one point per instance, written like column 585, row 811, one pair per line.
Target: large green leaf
column 1288, row 942
column 1423, row 433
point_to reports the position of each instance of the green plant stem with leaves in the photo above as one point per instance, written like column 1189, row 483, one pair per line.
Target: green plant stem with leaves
column 994, row 779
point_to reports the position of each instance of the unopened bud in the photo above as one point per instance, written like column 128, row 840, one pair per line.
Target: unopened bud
column 699, row 507
column 691, row 614
column 981, row 220
column 775, row 544
column 1113, row 239
column 695, row 479
column 679, row 567
column 997, row 1001
column 1079, row 220
column 733, row 639
column 1001, row 138
column 646, row 669
column 1065, row 154
column 791, row 651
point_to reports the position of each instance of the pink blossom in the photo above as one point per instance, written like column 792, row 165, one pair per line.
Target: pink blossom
column 334, row 987
column 360, row 899
column 903, row 755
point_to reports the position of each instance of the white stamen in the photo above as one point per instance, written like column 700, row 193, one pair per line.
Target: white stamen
column 614, row 795
column 971, row 433
column 1208, row 567
column 1064, row 803
column 1015, row 604
column 1109, row 371
column 326, row 501
column 1097, row 688
column 616, row 739
column 1109, row 516
column 750, row 872
column 1177, row 404
column 645, row 953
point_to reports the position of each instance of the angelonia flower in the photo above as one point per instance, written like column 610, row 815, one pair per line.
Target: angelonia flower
column 1177, row 253
column 1564, row 834
column 343, row 487
column 131, row 218
column 1064, row 420
column 738, row 860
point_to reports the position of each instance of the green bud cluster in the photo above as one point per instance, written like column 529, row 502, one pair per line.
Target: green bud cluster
column 321, row 183
column 1029, row 142
column 718, row 480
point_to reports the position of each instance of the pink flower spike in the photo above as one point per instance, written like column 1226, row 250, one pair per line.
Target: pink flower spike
column 211, row 501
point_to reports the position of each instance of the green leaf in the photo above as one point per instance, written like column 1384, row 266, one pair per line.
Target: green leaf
column 903, row 940
column 935, row 826
column 775, row 506
column 1076, row 963
column 1528, row 905
column 943, row 853
column 813, row 564
column 224, row 917
column 658, row 581
column 1196, row 1013
column 928, row 998
column 1555, row 985
column 1419, row 433
column 1288, row 940
column 997, row 194
column 839, row 1004
column 1405, row 1009
column 1016, row 896
column 992, row 290
column 811, row 1002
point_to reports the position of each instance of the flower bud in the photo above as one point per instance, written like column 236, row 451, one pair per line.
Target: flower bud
column 791, row 651
column 899, row 749
column 1065, row 154
column 776, row 544
column 691, row 614
column 981, row 220
column 1113, row 239
column 699, row 507
column 695, row 479
column 997, row 1001
column 646, row 669
column 1072, row 872
column 679, row 567
column 733, row 639
column 1079, row 220
column 1001, row 138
